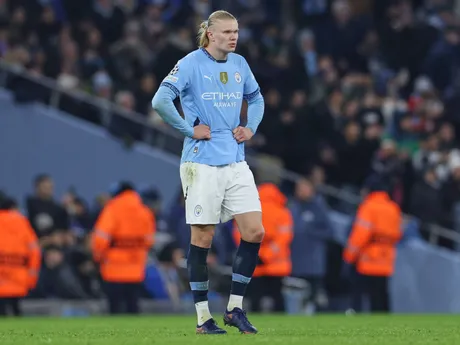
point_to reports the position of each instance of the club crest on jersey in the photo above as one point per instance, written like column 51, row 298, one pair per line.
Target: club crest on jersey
column 238, row 77
column 224, row 77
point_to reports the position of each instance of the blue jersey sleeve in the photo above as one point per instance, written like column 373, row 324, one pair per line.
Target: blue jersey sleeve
column 171, row 87
column 251, row 87
column 163, row 103
column 256, row 109
column 254, row 98
column 179, row 77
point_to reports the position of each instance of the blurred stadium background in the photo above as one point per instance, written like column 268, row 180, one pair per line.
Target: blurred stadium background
column 352, row 87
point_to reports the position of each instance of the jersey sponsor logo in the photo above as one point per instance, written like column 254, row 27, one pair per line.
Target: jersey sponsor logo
column 223, row 99
column 238, row 77
column 208, row 77
column 221, row 96
column 224, row 77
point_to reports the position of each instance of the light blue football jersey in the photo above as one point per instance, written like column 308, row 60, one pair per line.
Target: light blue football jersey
column 211, row 93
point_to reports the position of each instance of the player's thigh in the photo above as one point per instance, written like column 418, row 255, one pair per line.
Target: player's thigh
column 201, row 192
column 241, row 195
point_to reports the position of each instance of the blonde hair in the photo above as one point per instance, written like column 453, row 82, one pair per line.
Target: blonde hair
column 203, row 39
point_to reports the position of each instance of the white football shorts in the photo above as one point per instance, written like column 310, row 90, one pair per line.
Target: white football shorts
column 215, row 194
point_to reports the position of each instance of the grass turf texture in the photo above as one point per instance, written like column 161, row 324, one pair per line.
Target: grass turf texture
column 318, row 330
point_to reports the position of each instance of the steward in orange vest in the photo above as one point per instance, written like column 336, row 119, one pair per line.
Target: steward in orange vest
column 20, row 257
column 371, row 247
column 123, row 234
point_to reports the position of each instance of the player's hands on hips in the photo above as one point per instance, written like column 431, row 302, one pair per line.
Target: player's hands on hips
column 242, row 134
column 201, row 132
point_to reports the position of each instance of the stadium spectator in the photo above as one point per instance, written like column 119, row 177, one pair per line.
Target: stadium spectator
column 426, row 200
column 312, row 232
column 57, row 278
column 49, row 219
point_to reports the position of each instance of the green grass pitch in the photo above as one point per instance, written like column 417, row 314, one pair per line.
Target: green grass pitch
column 318, row 330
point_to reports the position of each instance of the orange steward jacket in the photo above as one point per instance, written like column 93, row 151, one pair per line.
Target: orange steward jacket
column 374, row 236
column 20, row 255
column 123, row 235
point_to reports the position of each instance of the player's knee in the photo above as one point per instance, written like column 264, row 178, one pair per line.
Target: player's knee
column 255, row 234
column 202, row 235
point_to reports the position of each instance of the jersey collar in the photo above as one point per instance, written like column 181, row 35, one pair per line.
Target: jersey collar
column 211, row 57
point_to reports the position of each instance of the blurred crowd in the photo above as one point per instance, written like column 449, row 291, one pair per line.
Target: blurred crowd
column 64, row 228
column 352, row 87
